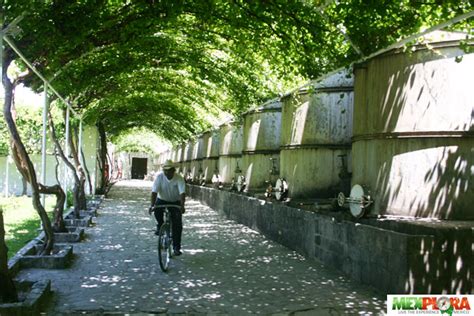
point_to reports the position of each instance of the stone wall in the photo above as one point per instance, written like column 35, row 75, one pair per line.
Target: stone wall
column 393, row 256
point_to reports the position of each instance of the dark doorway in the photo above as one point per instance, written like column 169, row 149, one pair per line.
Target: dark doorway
column 139, row 168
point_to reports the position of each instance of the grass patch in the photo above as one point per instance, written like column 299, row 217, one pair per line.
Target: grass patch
column 22, row 221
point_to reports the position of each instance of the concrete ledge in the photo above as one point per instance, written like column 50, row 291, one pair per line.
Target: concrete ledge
column 94, row 200
column 90, row 212
column 85, row 219
column 404, row 260
column 14, row 264
column 60, row 259
column 36, row 295
column 93, row 204
column 75, row 234
column 26, row 257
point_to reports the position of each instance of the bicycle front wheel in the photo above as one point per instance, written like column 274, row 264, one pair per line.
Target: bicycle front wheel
column 164, row 247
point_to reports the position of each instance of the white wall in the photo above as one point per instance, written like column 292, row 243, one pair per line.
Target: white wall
column 15, row 187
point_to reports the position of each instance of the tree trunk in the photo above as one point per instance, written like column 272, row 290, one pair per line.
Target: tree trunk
column 21, row 169
column 58, row 224
column 66, row 161
column 100, row 186
column 8, row 293
column 102, row 157
column 79, row 191
column 24, row 160
column 24, row 184
column 109, row 168
column 80, row 202
column 88, row 175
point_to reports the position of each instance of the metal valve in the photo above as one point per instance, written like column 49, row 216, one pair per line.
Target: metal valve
column 269, row 190
column 359, row 200
column 238, row 181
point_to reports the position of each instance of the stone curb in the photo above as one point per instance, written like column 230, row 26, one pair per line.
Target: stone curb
column 36, row 297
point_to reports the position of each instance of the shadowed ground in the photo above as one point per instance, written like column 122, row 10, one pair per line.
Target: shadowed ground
column 226, row 268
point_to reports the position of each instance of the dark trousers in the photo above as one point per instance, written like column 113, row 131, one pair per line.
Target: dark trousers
column 176, row 220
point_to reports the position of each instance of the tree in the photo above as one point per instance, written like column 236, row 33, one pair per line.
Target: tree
column 21, row 157
column 78, row 182
column 80, row 202
column 102, row 158
column 58, row 223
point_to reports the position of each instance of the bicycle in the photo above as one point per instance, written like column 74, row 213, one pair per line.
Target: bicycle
column 165, row 238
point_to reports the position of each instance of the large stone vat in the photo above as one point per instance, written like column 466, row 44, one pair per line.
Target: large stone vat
column 413, row 144
column 261, row 145
column 178, row 157
column 230, row 151
column 187, row 160
column 316, row 137
column 210, row 162
column 197, row 160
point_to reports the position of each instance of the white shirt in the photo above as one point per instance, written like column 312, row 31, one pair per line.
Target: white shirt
column 169, row 190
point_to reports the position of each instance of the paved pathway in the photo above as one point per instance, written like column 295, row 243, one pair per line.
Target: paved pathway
column 226, row 268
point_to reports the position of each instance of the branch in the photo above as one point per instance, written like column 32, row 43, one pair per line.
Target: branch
column 59, row 148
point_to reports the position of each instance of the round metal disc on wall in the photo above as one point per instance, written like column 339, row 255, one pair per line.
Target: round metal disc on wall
column 281, row 189
column 357, row 193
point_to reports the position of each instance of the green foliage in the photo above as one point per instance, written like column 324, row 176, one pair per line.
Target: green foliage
column 22, row 221
column 4, row 137
column 139, row 140
column 30, row 126
column 69, row 198
column 172, row 67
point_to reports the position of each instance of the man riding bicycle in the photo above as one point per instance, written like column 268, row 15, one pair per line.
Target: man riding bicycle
column 169, row 188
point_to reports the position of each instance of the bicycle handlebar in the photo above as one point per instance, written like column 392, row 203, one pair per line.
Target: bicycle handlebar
column 155, row 207
column 166, row 206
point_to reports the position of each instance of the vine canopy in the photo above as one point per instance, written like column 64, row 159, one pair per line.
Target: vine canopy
column 174, row 67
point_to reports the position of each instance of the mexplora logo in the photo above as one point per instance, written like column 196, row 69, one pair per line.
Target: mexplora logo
column 438, row 304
